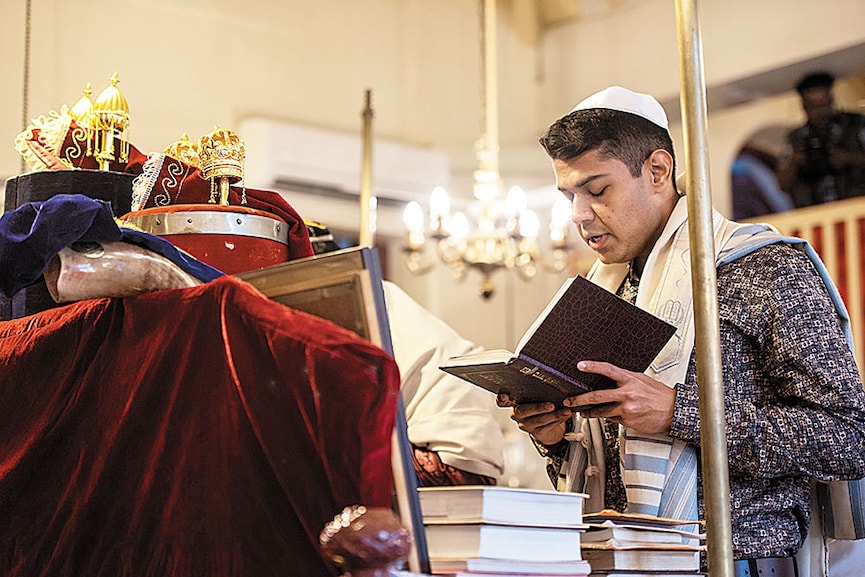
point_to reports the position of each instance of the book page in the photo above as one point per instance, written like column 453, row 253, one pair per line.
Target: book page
column 620, row 534
column 490, row 356
column 636, row 519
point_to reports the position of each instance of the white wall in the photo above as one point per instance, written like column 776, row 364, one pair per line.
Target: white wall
column 186, row 66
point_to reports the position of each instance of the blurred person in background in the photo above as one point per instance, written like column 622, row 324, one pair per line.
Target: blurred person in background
column 827, row 160
column 754, row 177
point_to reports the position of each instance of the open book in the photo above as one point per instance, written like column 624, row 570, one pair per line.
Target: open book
column 611, row 529
column 583, row 322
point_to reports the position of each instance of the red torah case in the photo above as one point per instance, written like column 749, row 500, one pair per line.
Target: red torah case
column 232, row 238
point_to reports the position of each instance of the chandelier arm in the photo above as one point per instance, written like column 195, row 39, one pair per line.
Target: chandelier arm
column 414, row 264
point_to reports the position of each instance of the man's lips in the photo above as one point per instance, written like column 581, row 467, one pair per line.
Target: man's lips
column 595, row 240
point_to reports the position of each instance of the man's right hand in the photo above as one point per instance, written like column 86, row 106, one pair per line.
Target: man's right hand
column 542, row 421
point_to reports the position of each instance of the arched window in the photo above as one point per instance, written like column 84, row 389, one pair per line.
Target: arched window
column 754, row 177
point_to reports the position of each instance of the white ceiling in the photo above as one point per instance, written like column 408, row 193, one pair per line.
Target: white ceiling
column 543, row 15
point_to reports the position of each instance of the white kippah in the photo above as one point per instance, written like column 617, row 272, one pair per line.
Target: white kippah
column 624, row 100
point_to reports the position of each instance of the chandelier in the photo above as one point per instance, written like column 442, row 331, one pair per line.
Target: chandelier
column 494, row 233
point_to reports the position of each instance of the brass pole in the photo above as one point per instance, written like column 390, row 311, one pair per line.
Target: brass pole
column 368, row 202
column 489, row 62
column 716, row 484
column 404, row 476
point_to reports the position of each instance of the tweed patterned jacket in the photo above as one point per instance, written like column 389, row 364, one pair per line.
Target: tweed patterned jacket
column 794, row 401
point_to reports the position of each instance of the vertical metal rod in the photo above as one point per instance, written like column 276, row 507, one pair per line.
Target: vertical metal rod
column 25, row 85
column 368, row 202
column 404, row 476
column 489, row 63
column 716, row 484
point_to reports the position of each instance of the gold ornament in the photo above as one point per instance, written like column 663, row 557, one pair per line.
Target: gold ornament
column 221, row 154
column 110, row 121
column 81, row 110
column 184, row 150
column 82, row 113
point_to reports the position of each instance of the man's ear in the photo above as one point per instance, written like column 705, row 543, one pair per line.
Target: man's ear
column 661, row 167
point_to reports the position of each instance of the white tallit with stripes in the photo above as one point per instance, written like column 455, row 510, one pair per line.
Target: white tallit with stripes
column 659, row 473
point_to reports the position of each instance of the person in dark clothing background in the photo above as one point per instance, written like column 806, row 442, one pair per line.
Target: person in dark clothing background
column 827, row 161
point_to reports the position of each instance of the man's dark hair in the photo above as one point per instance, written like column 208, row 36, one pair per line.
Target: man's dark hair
column 815, row 80
column 614, row 134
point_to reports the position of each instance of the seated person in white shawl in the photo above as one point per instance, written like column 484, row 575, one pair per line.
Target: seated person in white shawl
column 795, row 406
column 455, row 437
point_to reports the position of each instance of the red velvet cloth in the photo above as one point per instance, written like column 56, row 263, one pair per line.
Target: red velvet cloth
column 194, row 432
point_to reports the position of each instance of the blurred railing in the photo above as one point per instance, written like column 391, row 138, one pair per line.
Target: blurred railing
column 837, row 233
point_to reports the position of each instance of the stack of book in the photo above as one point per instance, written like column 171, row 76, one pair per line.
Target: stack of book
column 629, row 545
column 490, row 531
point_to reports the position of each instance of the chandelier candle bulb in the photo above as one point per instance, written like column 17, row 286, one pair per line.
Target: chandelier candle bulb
column 439, row 211
column 412, row 216
column 516, row 200
column 530, row 226
column 459, row 227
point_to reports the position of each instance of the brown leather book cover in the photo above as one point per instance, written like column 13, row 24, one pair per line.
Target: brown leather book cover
column 582, row 322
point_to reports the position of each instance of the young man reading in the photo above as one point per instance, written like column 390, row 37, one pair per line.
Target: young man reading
column 794, row 402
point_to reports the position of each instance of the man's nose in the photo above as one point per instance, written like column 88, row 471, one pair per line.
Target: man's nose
column 581, row 211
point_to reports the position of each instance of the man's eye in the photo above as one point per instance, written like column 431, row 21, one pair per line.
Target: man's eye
column 597, row 193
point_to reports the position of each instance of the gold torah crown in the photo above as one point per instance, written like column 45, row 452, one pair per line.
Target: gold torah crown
column 221, row 154
column 184, row 150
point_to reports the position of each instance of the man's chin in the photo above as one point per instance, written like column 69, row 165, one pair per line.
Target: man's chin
column 608, row 258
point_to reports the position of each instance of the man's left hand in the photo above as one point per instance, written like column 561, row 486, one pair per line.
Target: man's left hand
column 638, row 401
